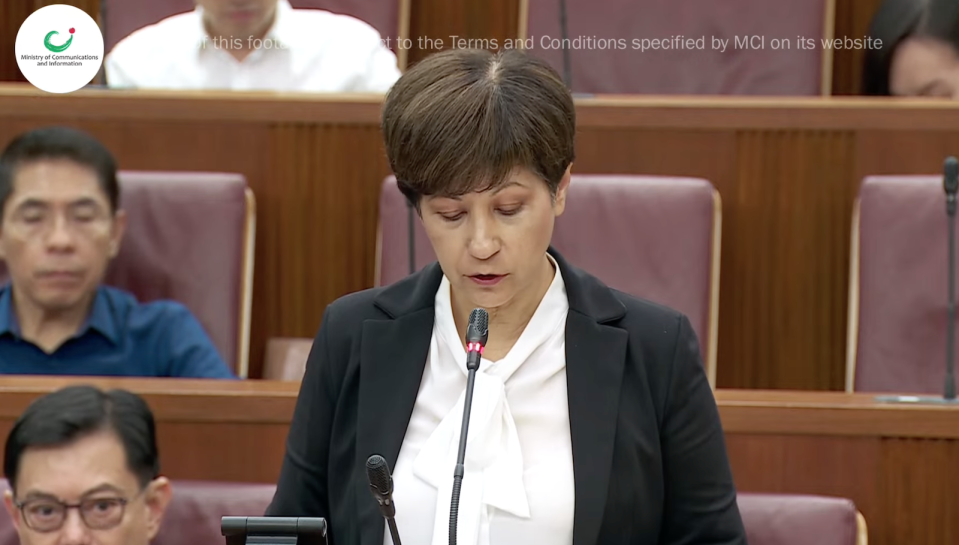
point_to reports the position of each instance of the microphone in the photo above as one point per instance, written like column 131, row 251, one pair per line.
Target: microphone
column 477, row 333
column 381, row 484
column 950, row 182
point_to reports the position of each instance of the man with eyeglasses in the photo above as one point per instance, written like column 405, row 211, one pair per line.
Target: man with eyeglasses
column 83, row 469
column 60, row 225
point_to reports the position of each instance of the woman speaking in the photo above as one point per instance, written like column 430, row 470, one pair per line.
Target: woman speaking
column 592, row 419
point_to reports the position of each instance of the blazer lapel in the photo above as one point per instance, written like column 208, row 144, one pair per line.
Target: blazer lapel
column 595, row 361
column 393, row 355
column 595, row 358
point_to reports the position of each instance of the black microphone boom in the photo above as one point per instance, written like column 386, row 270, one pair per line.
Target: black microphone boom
column 477, row 333
column 381, row 485
column 950, row 182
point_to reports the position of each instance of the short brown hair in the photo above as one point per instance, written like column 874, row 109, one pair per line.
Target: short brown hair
column 462, row 120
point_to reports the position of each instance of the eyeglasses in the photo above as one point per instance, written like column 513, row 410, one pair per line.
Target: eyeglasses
column 48, row 515
column 35, row 225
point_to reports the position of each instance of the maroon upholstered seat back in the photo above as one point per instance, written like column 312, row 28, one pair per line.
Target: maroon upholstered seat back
column 786, row 519
column 696, row 69
column 123, row 17
column 194, row 514
column 189, row 238
column 197, row 508
column 649, row 236
column 898, row 286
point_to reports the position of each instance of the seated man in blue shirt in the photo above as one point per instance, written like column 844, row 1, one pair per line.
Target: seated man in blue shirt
column 59, row 228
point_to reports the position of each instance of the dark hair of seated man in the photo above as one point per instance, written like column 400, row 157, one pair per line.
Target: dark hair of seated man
column 60, row 227
column 83, row 467
column 919, row 55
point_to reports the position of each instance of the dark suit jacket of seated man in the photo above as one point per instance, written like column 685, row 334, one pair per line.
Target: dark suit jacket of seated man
column 59, row 229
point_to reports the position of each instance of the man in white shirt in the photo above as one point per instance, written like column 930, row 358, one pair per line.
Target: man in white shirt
column 263, row 45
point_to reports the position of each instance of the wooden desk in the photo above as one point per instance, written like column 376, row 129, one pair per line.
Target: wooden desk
column 206, row 429
column 787, row 170
column 898, row 463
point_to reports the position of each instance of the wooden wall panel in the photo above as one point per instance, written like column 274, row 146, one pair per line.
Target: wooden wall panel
column 250, row 452
column 845, row 467
column 206, row 430
column 906, row 151
column 468, row 19
column 324, row 189
column 12, row 15
column 852, row 20
column 801, row 253
column 255, row 451
column 920, row 497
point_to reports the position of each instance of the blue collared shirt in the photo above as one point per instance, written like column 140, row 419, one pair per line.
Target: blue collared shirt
column 121, row 337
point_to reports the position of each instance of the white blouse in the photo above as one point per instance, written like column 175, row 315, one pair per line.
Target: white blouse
column 518, row 486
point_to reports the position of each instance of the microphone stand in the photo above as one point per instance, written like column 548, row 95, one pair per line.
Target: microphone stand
column 394, row 533
column 477, row 333
column 951, row 185
column 461, row 457
column 951, row 188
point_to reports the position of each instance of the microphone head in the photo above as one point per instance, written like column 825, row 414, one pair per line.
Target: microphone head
column 378, row 472
column 478, row 330
column 950, row 173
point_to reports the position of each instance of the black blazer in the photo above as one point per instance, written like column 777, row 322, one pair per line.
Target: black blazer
column 649, row 456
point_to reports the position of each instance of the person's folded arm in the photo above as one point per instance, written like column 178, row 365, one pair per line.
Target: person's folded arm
column 302, row 489
column 701, row 507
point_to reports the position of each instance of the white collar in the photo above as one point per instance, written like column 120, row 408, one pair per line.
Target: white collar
column 494, row 461
column 553, row 304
